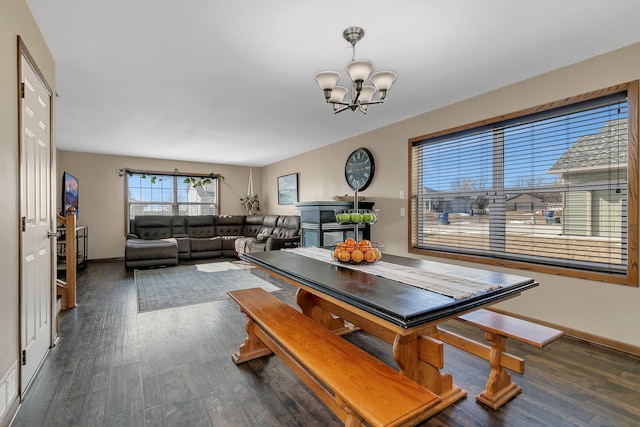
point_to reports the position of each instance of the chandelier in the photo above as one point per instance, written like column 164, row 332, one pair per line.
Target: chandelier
column 362, row 94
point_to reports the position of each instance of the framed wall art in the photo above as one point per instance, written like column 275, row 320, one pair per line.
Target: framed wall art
column 288, row 189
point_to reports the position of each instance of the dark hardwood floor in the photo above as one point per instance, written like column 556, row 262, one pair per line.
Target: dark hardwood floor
column 114, row 366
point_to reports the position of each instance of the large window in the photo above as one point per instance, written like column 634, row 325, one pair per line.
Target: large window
column 152, row 193
column 554, row 187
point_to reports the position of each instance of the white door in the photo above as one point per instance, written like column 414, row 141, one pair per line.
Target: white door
column 36, row 281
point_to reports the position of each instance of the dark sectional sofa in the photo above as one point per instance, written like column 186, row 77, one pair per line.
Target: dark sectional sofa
column 165, row 240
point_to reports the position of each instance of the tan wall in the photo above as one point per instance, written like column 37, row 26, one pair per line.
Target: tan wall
column 101, row 201
column 592, row 308
column 15, row 19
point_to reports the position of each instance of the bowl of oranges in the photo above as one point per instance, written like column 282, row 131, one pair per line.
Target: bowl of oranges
column 352, row 252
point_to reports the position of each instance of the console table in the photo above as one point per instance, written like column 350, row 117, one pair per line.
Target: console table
column 318, row 226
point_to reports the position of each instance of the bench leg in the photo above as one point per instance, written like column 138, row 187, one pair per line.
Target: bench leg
column 352, row 419
column 499, row 389
column 306, row 302
column 252, row 348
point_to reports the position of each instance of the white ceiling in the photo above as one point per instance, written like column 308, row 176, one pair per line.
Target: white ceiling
column 231, row 82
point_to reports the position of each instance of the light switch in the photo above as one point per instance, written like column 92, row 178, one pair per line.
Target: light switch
column 402, row 211
column 402, row 194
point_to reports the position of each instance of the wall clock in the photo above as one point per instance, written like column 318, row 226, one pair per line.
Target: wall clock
column 359, row 169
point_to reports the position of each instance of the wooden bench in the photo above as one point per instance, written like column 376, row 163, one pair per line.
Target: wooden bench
column 497, row 328
column 356, row 386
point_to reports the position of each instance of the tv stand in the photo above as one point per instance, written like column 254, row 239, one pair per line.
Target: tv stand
column 82, row 243
column 319, row 226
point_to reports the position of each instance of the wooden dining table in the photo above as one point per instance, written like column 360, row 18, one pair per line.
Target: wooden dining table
column 404, row 315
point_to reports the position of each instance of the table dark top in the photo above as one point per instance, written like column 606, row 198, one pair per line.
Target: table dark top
column 401, row 304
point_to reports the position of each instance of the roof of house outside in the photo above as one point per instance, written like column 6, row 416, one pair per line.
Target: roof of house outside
column 595, row 151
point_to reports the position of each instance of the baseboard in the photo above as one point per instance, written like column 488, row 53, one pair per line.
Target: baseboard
column 584, row 336
column 105, row 259
column 9, row 398
column 11, row 413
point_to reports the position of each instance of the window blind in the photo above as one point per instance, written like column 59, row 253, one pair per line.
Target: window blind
column 547, row 188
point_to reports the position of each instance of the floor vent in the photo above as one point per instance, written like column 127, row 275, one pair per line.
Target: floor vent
column 8, row 389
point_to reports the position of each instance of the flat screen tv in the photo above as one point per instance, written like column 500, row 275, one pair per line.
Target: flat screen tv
column 69, row 193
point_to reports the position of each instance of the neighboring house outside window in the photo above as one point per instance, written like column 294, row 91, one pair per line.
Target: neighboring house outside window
column 554, row 188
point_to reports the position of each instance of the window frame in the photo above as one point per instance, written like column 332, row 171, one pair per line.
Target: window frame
column 174, row 203
column 631, row 276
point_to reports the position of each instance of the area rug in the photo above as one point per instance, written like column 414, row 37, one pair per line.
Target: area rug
column 179, row 286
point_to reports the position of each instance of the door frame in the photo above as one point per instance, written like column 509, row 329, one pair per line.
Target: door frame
column 23, row 51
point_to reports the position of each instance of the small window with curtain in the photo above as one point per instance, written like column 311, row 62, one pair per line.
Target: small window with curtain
column 555, row 188
column 153, row 193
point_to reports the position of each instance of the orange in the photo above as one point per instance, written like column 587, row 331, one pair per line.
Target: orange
column 351, row 245
column 366, row 243
column 369, row 256
column 377, row 253
column 357, row 255
column 344, row 256
column 336, row 253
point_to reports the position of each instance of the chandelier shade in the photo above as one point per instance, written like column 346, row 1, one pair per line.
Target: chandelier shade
column 367, row 92
column 338, row 93
column 327, row 79
column 383, row 80
column 360, row 71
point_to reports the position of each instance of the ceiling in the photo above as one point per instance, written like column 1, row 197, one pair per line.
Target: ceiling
column 231, row 82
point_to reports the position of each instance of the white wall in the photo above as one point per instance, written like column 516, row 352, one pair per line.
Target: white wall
column 101, row 201
column 593, row 309
column 15, row 19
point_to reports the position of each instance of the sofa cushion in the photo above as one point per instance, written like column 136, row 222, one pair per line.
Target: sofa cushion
column 184, row 245
column 290, row 227
column 256, row 246
column 165, row 251
column 286, row 234
column 205, row 244
column 179, row 225
column 268, row 225
column 229, row 225
column 252, row 225
column 200, row 226
column 150, row 227
column 276, row 230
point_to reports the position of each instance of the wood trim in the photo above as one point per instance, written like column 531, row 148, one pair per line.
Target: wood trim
column 537, row 268
column 633, row 229
column 633, row 94
column 580, row 335
column 544, row 107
